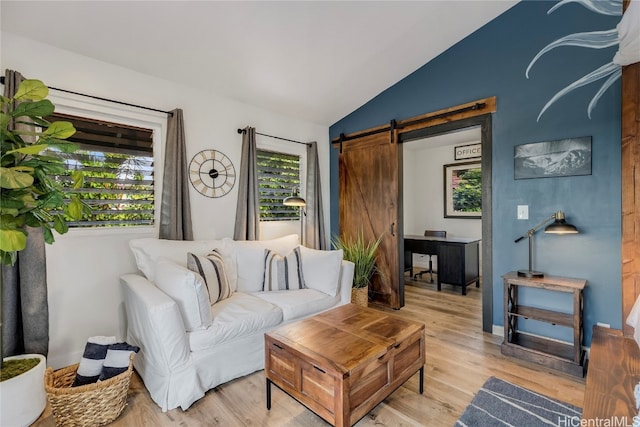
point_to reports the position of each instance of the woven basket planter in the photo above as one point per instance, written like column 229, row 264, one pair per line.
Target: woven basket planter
column 88, row 405
column 360, row 296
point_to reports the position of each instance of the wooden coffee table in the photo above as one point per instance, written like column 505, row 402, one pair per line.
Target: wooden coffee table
column 343, row 362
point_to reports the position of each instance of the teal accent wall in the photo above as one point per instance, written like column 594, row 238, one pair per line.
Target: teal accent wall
column 492, row 62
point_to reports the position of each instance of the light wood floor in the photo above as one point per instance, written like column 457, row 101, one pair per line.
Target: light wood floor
column 459, row 359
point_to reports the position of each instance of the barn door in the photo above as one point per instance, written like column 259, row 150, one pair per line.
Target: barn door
column 369, row 201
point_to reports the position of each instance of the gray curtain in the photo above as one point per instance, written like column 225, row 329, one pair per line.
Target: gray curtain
column 175, row 211
column 25, row 310
column 247, row 225
column 314, row 232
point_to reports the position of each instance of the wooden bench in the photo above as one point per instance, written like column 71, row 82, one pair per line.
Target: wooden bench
column 612, row 374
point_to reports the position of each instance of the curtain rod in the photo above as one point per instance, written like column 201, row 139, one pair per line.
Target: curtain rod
column 276, row 137
column 104, row 99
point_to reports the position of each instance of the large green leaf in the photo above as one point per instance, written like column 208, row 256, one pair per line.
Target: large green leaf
column 60, row 130
column 8, row 222
column 62, row 145
column 48, row 235
column 78, row 179
column 59, row 224
column 75, row 208
column 4, row 119
column 40, row 108
column 30, row 149
column 32, row 89
column 12, row 240
column 11, row 205
column 52, row 200
column 17, row 202
column 10, row 178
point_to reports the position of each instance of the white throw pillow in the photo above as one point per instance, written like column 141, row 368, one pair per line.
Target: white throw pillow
column 211, row 268
column 188, row 290
column 321, row 269
column 149, row 251
column 245, row 259
column 282, row 273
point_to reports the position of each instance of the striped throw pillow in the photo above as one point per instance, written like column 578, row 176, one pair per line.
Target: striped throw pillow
column 211, row 268
column 282, row 273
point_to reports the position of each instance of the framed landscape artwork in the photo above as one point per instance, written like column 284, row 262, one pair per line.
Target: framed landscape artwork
column 563, row 157
column 463, row 190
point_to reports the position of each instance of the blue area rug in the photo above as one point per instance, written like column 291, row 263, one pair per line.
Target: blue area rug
column 500, row 403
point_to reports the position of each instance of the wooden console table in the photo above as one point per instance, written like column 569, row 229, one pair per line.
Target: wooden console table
column 345, row 361
column 614, row 371
column 566, row 357
column 458, row 258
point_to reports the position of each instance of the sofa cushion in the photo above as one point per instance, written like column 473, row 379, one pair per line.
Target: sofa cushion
column 211, row 268
column 282, row 273
column 237, row 316
column 321, row 269
column 298, row 303
column 149, row 251
column 189, row 292
column 245, row 259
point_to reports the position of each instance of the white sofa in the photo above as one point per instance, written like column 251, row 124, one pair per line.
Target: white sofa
column 186, row 350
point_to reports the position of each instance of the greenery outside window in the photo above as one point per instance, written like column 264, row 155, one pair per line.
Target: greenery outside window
column 117, row 162
column 278, row 177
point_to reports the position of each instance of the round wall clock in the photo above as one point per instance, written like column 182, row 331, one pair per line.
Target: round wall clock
column 212, row 173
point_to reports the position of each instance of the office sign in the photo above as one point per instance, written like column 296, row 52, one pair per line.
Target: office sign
column 470, row 151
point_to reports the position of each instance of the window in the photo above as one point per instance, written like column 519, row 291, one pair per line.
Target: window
column 117, row 164
column 278, row 177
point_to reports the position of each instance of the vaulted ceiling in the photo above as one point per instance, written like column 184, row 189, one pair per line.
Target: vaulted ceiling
column 315, row 60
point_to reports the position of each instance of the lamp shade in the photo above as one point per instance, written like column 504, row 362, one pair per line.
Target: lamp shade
column 560, row 226
column 294, row 201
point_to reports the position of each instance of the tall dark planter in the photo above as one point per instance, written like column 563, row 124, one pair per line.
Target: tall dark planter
column 25, row 309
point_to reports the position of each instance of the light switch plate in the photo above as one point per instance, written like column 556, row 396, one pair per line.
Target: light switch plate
column 523, row 211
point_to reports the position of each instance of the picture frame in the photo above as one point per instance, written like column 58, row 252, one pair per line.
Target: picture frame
column 463, row 190
column 468, row 151
column 548, row 159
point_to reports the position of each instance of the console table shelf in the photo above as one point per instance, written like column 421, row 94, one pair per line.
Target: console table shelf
column 566, row 357
column 549, row 316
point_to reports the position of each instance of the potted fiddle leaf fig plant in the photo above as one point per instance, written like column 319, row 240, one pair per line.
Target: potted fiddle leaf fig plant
column 31, row 154
column 363, row 254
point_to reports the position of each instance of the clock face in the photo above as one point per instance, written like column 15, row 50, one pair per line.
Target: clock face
column 212, row 173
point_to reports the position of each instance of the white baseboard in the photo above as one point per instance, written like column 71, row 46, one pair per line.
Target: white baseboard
column 497, row 330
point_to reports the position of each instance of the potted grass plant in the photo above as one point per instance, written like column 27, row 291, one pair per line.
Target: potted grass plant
column 362, row 253
column 31, row 154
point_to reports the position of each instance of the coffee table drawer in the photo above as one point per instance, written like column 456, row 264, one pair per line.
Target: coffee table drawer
column 366, row 381
column 408, row 355
column 318, row 385
column 281, row 364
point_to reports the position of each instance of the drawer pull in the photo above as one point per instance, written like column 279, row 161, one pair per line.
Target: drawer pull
column 321, row 370
column 276, row 345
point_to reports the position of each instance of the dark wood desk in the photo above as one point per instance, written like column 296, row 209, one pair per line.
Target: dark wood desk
column 614, row 371
column 458, row 258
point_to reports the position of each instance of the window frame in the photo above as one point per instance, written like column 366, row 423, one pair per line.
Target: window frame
column 83, row 106
column 285, row 147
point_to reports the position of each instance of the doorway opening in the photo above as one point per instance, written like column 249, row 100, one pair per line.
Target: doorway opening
column 428, row 154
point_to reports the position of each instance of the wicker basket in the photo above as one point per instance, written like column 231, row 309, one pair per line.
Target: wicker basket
column 88, row 405
column 360, row 296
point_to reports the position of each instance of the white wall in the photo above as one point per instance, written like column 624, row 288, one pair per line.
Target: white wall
column 83, row 266
column 423, row 191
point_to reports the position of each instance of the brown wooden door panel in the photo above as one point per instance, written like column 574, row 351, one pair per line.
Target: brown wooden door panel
column 368, row 199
